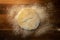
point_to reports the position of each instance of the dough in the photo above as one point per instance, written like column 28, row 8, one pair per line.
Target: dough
column 28, row 19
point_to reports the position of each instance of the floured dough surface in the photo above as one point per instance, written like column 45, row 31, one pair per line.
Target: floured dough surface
column 28, row 19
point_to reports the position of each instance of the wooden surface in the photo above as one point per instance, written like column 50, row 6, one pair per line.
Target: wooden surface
column 20, row 1
column 8, row 35
column 4, row 25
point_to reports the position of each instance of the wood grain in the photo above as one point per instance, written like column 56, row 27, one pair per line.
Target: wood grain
column 20, row 1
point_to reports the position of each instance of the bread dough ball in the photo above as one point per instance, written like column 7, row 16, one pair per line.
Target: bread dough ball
column 28, row 19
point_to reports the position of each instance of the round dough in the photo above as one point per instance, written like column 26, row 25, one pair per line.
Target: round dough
column 28, row 19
